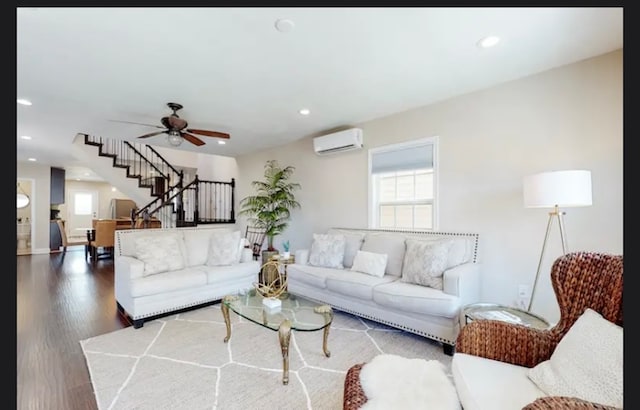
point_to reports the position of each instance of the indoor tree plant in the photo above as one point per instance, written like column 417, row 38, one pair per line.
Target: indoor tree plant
column 270, row 208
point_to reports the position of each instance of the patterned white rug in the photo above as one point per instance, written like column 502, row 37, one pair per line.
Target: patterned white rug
column 181, row 362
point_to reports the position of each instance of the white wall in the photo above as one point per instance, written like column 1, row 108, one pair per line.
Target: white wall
column 40, row 200
column 566, row 118
column 105, row 194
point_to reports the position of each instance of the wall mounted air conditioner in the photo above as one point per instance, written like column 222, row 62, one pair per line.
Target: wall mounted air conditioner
column 340, row 141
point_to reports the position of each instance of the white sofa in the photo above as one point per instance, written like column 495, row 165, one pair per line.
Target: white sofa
column 423, row 310
column 160, row 271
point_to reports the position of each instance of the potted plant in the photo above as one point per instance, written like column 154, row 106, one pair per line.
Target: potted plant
column 270, row 208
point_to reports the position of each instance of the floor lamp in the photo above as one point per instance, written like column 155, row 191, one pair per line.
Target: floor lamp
column 554, row 190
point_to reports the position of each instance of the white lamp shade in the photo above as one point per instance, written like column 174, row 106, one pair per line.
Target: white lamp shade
column 561, row 188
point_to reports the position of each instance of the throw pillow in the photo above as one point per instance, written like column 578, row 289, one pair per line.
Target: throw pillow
column 391, row 244
column 353, row 242
column 370, row 263
column 160, row 253
column 587, row 362
column 425, row 262
column 224, row 248
column 327, row 251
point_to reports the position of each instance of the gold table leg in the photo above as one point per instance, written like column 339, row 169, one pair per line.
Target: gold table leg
column 225, row 314
column 284, row 334
column 327, row 312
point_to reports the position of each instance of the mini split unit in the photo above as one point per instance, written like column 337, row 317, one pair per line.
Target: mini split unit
column 346, row 140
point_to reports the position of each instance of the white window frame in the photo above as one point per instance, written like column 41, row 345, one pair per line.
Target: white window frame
column 372, row 208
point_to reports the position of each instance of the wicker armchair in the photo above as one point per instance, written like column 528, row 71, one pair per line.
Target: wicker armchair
column 580, row 280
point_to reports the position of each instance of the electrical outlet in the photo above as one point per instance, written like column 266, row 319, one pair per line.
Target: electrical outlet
column 523, row 291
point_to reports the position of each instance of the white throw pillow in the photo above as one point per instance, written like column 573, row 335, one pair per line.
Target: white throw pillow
column 587, row 362
column 353, row 242
column 425, row 262
column 391, row 244
column 224, row 248
column 160, row 253
column 327, row 251
column 370, row 263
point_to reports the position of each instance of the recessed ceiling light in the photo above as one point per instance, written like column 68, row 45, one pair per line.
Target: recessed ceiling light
column 113, row 189
column 222, row 142
column 23, row 101
column 31, row 159
column 284, row 25
column 305, row 111
column 25, row 137
column 488, row 41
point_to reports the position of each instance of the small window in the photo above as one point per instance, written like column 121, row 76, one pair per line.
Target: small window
column 402, row 186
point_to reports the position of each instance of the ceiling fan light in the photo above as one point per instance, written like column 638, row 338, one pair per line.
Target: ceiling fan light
column 174, row 138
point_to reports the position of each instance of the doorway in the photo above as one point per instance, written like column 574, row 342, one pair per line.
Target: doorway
column 82, row 209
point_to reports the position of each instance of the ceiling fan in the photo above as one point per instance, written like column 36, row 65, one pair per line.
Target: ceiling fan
column 176, row 129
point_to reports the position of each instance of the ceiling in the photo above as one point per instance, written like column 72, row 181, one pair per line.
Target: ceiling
column 234, row 72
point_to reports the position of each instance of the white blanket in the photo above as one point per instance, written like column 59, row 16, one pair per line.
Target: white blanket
column 395, row 382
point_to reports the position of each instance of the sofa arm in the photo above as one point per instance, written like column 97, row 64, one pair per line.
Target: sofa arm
column 463, row 281
column 127, row 268
column 302, row 256
column 558, row 402
column 506, row 342
column 247, row 255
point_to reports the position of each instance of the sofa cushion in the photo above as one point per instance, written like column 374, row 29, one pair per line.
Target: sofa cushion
column 391, row 244
column 425, row 262
column 353, row 243
column 223, row 248
column 327, row 251
column 587, row 362
column 408, row 297
column 223, row 274
column 168, row 282
column 160, row 253
column 490, row 384
column 197, row 244
column 356, row 284
column 315, row 276
column 370, row 263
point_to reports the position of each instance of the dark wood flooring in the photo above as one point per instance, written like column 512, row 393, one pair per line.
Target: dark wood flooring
column 61, row 299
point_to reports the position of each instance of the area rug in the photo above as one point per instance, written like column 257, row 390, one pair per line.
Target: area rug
column 182, row 362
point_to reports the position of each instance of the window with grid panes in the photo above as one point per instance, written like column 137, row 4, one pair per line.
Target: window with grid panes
column 402, row 186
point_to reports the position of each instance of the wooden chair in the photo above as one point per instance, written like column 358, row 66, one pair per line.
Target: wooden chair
column 103, row 239
column 66, row 242
column 255, row 237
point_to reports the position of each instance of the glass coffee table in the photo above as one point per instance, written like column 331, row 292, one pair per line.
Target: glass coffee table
column 295, row 313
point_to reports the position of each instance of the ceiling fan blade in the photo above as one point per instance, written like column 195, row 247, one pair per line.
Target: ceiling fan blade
column 192, row 139
column 209, row 133
column 137, row 123
column 151, row 134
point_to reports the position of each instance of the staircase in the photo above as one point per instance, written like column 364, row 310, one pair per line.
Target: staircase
column 147, row 178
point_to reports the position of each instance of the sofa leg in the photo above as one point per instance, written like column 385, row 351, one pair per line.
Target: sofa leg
column 137, row 323
column 448, row 349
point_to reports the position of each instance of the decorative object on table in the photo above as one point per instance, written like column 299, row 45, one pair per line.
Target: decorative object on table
column 270, row 208
column 556, row 189
column 493, row 311
column 286, row 254
column 274, row 281
column 272, row 304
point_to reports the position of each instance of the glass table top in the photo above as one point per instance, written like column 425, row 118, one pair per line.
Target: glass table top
column 304, row 314
column 509, row 314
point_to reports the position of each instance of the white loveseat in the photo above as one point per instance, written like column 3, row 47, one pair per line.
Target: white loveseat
column 432, row 311
column 160, row 271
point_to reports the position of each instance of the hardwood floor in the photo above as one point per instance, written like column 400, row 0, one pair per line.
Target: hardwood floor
column 61, row 299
